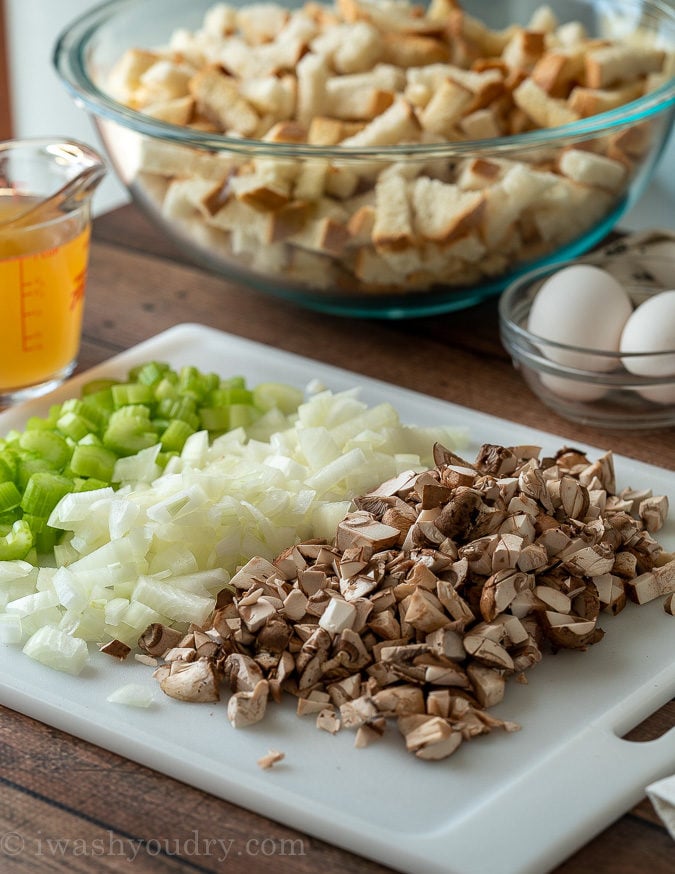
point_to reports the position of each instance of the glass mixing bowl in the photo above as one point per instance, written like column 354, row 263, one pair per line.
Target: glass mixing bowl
column 378, row 230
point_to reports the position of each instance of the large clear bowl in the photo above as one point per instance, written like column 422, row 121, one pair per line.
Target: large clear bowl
column 331, row 267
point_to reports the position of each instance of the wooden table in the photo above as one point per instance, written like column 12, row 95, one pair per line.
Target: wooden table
column 55, row 787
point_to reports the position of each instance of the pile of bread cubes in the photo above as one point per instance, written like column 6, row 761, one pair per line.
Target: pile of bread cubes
column 368, row 75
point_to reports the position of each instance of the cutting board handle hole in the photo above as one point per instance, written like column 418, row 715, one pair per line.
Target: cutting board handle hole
column 654, row 726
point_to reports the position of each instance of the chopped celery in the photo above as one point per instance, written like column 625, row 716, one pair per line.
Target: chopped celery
column 17, row 543
column 95, row 461
column 48, row 445
column 10, row 497
column 77, row 445
column 175, row 435
column 131, row 393
column 43, row 492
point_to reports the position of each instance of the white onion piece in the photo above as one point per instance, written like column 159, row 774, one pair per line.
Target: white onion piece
column 57, row 649
column 132, row 695
column 10, row 628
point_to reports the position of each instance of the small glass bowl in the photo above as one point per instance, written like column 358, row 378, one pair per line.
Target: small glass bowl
column 609, row 396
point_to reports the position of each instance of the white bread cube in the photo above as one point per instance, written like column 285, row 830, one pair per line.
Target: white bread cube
column 588, row 168
column 270, row 95
column 169, row 159
column 393, row 220
column 443, row 211
column 545, row 111
column 445, row 109
column 177, row 111
column 261, row 22
column 220, row 20
column 124, row 78
column 350, row 48
column 609, row 65
column 312, row 72
column 217, row 97
column 398, row 124
column 591, row 101
column 481, row 125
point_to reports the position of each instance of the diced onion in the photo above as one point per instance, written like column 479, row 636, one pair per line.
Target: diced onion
column 132, row 695
column 57, row 649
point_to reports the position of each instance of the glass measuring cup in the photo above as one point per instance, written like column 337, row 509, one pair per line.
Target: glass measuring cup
column 45, row 221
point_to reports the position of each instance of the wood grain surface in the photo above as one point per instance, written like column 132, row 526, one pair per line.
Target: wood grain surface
column 68, row 806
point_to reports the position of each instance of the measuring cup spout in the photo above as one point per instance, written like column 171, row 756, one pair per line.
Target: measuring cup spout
column 80, row 165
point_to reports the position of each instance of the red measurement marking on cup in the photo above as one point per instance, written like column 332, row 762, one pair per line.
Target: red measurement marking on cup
column 31, row 296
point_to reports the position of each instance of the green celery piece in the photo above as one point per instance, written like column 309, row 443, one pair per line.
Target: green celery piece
column 166, row 388
column 233, row 382
column 215, row 418
column 242, row 415
column 131, row 393
column 163, row 458
column 10, row 496
column 128, row 433
column 43, row 492
column 98, row 407
column 48, row 445
column 191, row 383
column 9, row 517
column 88, row 485
column 46, row 539
column 8, row 466
column 35, row 423
column 90, row 440
column 93, row 461
column 183, row 408
column 175, row 435
column 75, row 425
column 17, row 543
column 28, row 465
column 137, row 412
column 98, row 385
column 222, row 397
column 148, row 374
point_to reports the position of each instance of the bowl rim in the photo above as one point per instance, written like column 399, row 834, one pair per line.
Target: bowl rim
column 70, row 51
column 528, row 344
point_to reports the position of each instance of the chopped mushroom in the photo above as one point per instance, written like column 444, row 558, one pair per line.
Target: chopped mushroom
column 438, row 588
column 272, row 758
column 192, row 681
column 116, row 649
column 247, row 708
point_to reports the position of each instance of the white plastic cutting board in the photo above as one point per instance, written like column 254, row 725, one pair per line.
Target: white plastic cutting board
column 503, row 803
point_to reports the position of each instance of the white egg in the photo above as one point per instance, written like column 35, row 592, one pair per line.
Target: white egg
column 581, row 306
column 572, row 389
column 651, row 328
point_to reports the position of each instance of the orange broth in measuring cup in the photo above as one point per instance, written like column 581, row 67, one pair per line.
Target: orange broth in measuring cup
column 42, row 278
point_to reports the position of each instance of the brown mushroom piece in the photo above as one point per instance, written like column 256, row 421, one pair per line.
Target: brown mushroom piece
column 116, row 648
column 429, row 737
column 196, row 681
column 158, row 639
column 460, row 513
column 241, row 672
column 247, row 708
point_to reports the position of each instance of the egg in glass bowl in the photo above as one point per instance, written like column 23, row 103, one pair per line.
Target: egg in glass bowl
column 374, row 157
column 594, row 338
